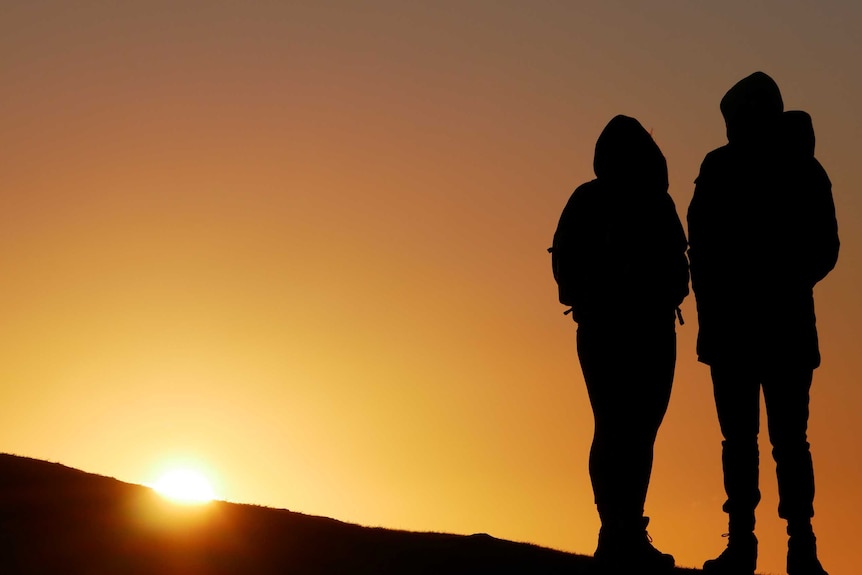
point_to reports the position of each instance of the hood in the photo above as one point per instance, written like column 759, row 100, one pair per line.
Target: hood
column 626, row 153
column 797, row 132
column 751, row 108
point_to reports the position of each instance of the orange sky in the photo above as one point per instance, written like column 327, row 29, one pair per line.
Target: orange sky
column 305, row 248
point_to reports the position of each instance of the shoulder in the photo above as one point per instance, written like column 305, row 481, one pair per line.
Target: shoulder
column 666, row 200
column 819, row 173
column 804, row 172
column 584, row 196
column 587, row 191
column 715, row 162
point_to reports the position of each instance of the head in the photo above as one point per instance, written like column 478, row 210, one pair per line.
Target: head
column 751, row 109
column 797, row 132
column 626, row 153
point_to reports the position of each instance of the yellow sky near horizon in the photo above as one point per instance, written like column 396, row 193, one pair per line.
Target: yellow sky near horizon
column 303, row 244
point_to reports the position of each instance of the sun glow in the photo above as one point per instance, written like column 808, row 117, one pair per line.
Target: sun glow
column 184, row 486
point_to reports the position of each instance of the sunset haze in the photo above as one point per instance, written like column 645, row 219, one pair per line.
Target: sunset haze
column 301, row 247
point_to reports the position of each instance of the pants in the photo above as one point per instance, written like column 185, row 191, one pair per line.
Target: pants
column 737, row 400
column 629, row 371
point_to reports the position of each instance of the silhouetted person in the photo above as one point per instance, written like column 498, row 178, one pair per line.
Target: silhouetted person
column 619, row 260
column 762, row 233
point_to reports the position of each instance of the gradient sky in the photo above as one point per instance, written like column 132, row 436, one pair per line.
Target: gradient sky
column 302, row 245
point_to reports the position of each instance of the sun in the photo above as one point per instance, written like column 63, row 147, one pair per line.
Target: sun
column 184, row 485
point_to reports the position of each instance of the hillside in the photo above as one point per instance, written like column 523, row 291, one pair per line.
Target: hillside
column 55, row 519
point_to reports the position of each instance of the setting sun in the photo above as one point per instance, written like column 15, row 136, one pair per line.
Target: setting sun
column 184, row 486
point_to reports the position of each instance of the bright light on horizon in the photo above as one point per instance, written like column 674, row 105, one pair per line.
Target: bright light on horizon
column 184, row 485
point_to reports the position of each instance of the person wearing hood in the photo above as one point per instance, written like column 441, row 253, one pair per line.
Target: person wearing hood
column 762, row 233
column 619, row 260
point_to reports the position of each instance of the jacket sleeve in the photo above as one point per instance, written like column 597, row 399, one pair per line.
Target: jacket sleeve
column 576, row 254
column 565, row 257
column 677, row 272
column 703, row 234
column 561, row 253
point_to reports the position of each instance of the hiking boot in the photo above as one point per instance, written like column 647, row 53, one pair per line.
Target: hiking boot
column 740, row 557
column 802, row 556
column 628, row 548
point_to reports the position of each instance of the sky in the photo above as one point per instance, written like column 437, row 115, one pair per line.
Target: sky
column 302, row 246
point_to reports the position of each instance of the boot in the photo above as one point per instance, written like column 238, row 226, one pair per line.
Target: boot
column 740, row 557
column 627, row 547
column 802, row 550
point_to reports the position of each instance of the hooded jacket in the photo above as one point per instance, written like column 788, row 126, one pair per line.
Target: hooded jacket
column 619, row 247
column 762, row 233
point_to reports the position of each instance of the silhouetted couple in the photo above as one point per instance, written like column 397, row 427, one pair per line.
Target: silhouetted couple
column 762, row 233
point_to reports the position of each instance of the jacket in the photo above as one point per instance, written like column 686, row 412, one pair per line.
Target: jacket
column 619, row 247
column 762, row 233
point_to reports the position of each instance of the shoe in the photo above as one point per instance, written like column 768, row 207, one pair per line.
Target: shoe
column 740, row 557
column 628, row 548
column 802, row 556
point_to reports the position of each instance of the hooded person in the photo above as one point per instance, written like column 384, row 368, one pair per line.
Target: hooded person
column 620, row 264
column 762, row 233
column 619, row 247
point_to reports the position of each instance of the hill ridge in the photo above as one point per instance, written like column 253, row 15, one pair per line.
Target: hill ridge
column 58, row 519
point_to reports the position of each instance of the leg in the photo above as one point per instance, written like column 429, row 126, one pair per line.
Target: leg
column 629, row 378
column 737, row 401
column 786, row 397
column 602, row 378
column 629, row 374
column 786, row 393
column 652, row 364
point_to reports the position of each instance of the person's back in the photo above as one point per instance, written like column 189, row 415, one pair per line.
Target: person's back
column 808, row 206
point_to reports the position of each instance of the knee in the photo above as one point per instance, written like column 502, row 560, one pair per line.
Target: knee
column 738, row 430
column 621, row 440
column 791, row 449
column 741, row 445
column 788, row 437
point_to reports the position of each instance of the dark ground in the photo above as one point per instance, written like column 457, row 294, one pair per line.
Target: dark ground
column 58, row 520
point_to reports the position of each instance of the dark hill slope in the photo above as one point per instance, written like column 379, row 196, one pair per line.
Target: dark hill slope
column 54, row 519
